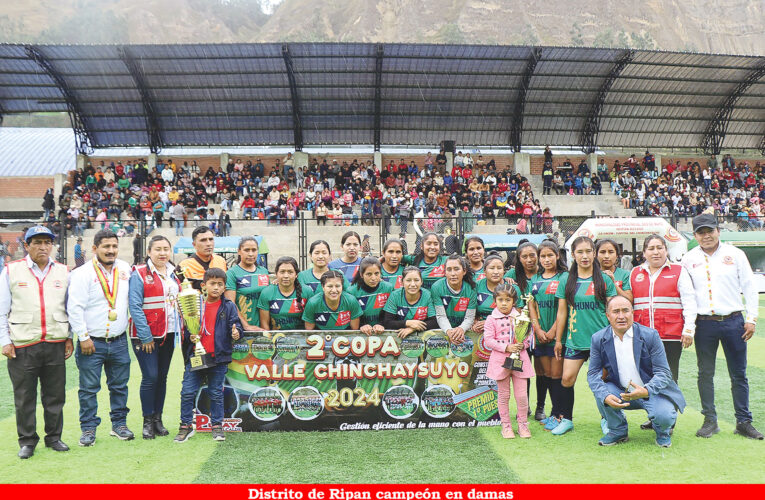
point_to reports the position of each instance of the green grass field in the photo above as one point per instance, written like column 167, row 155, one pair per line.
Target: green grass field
column 416, row 456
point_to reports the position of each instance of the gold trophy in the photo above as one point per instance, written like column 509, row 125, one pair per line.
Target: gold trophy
column 522, row 328
column 189, row 301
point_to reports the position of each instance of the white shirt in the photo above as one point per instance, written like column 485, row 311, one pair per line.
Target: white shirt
column 87, row 306
column 5, row 295
column 625, row 359
column 687, row 296
column 720, row 279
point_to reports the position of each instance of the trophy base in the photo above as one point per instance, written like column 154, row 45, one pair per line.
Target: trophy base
column 201, row 361
column 515, row 364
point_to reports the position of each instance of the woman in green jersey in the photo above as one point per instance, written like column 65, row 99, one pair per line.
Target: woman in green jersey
column 429, row 259
column 244, row 283
column 392, row 255
column 525, row 267
column 372, row 293
column 332, row 308
column 494, row 269
column 543, row 311
column 609, row 257
column 454, row 298
column 475, row 251
column 320, row 256
column 281, row 305
column 581, row 312
column 410, row 309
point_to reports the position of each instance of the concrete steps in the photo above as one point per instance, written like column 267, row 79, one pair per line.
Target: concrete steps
column 607, row 203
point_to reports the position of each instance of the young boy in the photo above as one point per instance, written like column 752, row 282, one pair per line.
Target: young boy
column 220, row 324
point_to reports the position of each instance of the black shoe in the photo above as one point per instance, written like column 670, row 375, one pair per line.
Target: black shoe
column 709, row 429
column 746, row 429
column 148, row 427
column 159, row 428
column 646, row 425
column 58, row 446
column 26, row 451
column 539, row 415
column 122, row 432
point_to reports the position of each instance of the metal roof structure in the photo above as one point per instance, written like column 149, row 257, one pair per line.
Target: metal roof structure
column 389, row 94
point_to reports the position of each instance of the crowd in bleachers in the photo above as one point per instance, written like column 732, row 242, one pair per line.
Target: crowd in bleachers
column 334, row 192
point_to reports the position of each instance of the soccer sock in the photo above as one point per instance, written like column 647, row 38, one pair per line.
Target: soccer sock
column 568, row 405
column 555, row 395
column 543, row 383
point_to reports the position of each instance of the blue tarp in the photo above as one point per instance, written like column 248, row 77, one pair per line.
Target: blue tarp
column 223, row 244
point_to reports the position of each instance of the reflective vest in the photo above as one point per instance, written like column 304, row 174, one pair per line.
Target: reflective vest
column 38, row 308
column 657, row 304
column 154, row 302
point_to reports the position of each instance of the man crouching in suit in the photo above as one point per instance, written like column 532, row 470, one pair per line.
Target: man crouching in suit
column 629, row 370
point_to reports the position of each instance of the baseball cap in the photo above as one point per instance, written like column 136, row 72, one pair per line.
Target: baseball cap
column 704, row 220
column 38, row 231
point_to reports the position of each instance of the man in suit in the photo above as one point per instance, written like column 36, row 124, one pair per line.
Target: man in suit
column 629, row 370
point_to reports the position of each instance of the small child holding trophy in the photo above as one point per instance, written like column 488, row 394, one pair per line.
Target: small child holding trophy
column 217, row 325
column 509, row 361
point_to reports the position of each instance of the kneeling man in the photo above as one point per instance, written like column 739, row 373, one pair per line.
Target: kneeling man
column 629, row 370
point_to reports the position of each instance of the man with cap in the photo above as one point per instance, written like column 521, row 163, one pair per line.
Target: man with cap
column 79, row 253
column 34, row 334
column 721, row 274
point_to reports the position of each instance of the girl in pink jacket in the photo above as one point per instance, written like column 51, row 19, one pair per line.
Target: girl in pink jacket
column 498, row 335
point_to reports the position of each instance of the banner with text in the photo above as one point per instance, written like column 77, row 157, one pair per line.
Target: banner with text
column 345, row 380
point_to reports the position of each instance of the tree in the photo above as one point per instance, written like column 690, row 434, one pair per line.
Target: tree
column 576, row 35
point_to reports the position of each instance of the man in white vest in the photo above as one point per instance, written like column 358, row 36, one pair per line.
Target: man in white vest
column 34, row 334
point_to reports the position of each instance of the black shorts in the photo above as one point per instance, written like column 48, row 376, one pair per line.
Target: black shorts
column 545, row 349
column 569, row 353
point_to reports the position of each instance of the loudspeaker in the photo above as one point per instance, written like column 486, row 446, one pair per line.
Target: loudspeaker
column 448, row 146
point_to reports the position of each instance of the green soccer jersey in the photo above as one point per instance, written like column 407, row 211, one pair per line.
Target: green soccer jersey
column 421, row 310
column 587, row 315
column 248, row 286
column 313, row 284
column 430, row 272
column 285, row 311
column 455, row 304
column 511, row 274
column 371, row 303
column 319, row 313
column 543, row 290
column 485, row 300
column 622, row 278
column 395, row 278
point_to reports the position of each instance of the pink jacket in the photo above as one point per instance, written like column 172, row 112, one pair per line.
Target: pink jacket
column 497, row 334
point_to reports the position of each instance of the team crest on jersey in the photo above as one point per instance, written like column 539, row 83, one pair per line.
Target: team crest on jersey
column 263, row 280
column 552, row 288
column 590, row 289
column 640, row 277
column 295, row 306
column 462, row 304
column 343, row 318
column 380, row 300
column 421, row 314
column 481, row 276
column 437, row 272
column 399, row 281
column 728, row 260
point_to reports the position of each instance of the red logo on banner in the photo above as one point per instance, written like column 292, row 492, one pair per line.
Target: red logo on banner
column 380, row 300
column 263, row 280
column 437, row 272
column 552, row 288
column 203, row 423
column 343, row 318
column 421, row 314
column 462, row 304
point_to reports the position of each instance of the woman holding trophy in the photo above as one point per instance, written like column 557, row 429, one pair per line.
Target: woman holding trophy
column 499, row 335
column 153, row 327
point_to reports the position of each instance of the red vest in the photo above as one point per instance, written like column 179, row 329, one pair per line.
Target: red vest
column 153, row 303
column 658, row 306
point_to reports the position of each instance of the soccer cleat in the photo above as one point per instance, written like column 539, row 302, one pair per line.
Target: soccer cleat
column 552, row 423
column 563, row 427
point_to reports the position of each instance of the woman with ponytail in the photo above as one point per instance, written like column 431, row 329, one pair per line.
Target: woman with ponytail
column 581, row 312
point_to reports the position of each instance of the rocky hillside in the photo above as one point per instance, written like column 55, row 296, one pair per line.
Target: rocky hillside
column 723, row 26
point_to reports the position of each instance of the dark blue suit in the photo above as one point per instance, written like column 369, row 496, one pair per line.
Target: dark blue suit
column 664, row 396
